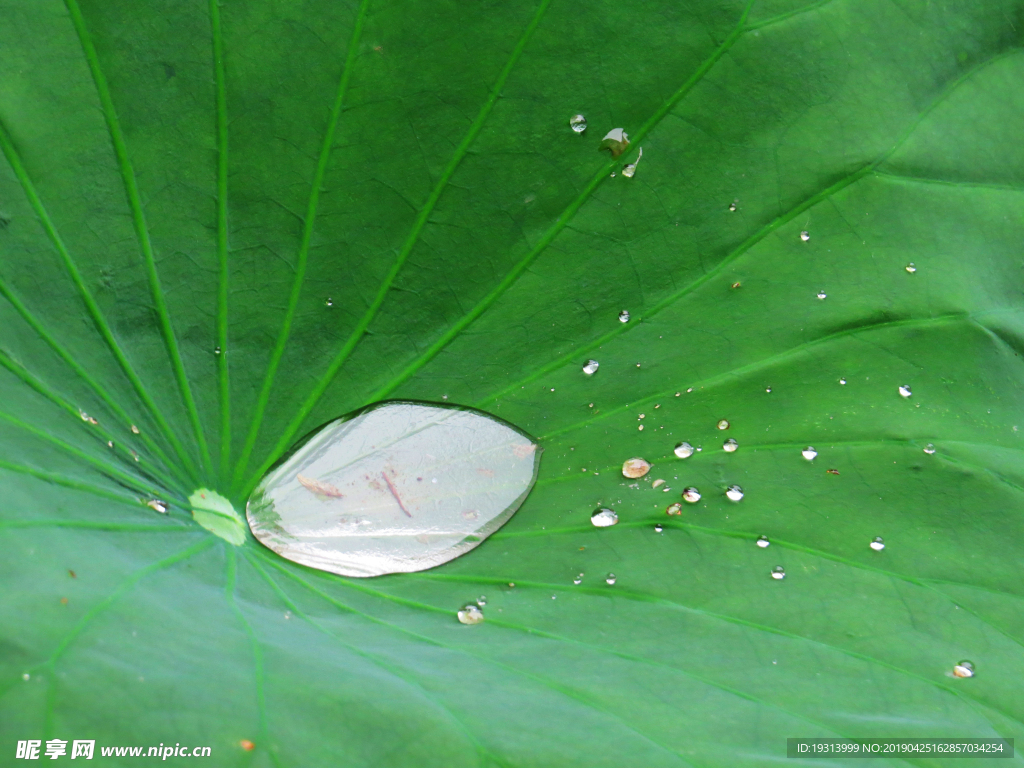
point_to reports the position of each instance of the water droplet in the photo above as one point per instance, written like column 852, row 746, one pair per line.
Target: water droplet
column 963, row 669
column 635, row 467
column 630, row 169
column 768, row 390
column 578, row 123
column 658, row 528
column 624, row 316
column 658, row 483
column 929, row 449
column 216, row 350
column 911, row 268
column 157, row 505
column 329, row 302
column 778, row 572
column 822, row 295
column 732, row 205
column 809, row 453
column 135, row 429
column 603, row 518
column 677, row 508
column 877, row 544
column 691, row 495
column 723, row 424
column 110, row 443
column 843, row 382
column 87, row 418
column 578, row 579
column 134, row 455
column 762, row 542
column 737, row 284
column 591, row 367
column 482, row 600
column 905, row 391
column 470, row 615
column 26, row 676
column 615, row 141
column 610, row 579
column 805, row 235
column 366, row 465
column 684, row 450
column 730, row 446
column 734, row 493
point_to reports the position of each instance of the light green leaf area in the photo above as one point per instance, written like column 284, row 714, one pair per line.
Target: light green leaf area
column 356, row 202
column 215, row 513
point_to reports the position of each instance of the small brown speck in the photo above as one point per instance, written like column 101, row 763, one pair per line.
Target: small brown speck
column 72, row 574
column 832, row 471
column 63, row 601
column 247, row 745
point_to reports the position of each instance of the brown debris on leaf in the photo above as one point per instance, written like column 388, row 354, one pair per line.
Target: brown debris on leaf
column 615, row 141
column 320, row 489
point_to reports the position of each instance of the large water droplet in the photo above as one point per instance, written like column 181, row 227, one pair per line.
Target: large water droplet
column 676, row 508
column 591, row 367
column 963, row 669
column 384, row 490
column 691, row 495
column 615, row 141
column 778, row 572
column 762, row 542
column 929, row 449
column 578, row 123
column 730, row 445
column 471, row 614
column 723, row 424
column 734, row 493
column 905, row 391
column 684, row 450
column 877, row 544
column 809, row 453
column 624, row 316
column 630, row 169
column 603, row 518
column 610, row 579
column 635, row 467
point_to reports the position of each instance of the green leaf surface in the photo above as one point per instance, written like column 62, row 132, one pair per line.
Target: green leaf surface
column 224, row 223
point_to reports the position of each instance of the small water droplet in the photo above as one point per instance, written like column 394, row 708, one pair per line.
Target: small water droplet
column 809, row 453
column 87, row 418
column 482, row 600
column 905, row 391
column 158, row 505
column 684, row 450
column 963, row 669
column 877, row 544
column 135, row 429
column 929, row 449
column 578, row 123
column 329, row 302
column 216, row 350
column 805, row 235
column 591, row 367
column 658, row 483
column 610, row 579
column 843, row 382
column 723, row 424
column 658, row 528
column 911, row 268
column 470, row 615
column 602, row 518
column 691, row 495
column 778, row 572
column 110, row 443
column 734, row 493
column 768, row 390
column 26, row 676
column 822, row 295
column 578, row 579
column 730, row 446
column 624, row 316
column 676, row 508
column 287, row 614
column 762, row 542
column 732, row 205
column 135, row 455
column 635, row 467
